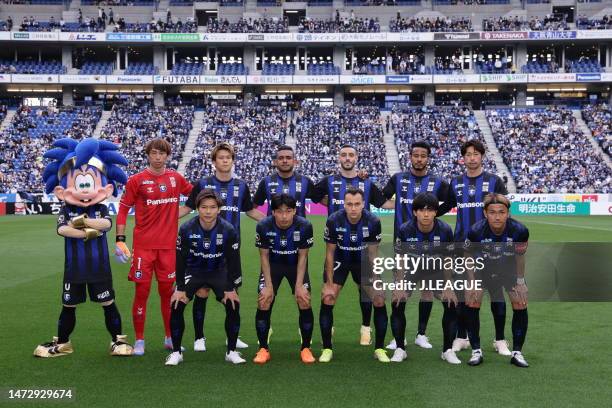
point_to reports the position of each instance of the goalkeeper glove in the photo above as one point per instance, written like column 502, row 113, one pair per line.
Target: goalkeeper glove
column 122, row 252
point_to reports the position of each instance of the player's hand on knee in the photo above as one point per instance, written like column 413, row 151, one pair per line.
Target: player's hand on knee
column 398, row 296
column 449, row 296
column 302, row 296
column 328, row 291
column 266, row 295
column 178, row 296
column 231, row 297
column 521, row 292
column 122, row 252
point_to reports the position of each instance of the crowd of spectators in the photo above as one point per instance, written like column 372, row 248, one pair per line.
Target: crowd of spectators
column 340, row 25
column 444, row 128
column 547, row 153
column 133, row 123
column 254, row 130
column 260, row 25
column 603, row 23
column 30, row 134
column 321, row 131
column 599, row 119
column 439, row 24
column 548, row 23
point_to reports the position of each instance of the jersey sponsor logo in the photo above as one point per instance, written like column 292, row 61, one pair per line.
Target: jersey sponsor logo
column 310, row 241
column 160, row 201
column 231, row 208
column 365, row 232
column 271, row 234
column 162, row 188
column 172, row 275
column 357, row 248
column 336, row 182
column 406, row 200
column 470, row 205
column 337, row 202
column 219, row 239
column 145, row 182
column 296, row 236
column 285, row 252
column 172, row 181
column 194, row 236
column 485, row 186
column 205, row 255
column 236, row 191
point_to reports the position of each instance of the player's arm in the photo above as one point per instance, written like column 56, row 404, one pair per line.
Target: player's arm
column 104, row 223
column 520, row 249
column 234, row 269
column 266, row 294
column 447, row 194
column 448, row 294
column 379, row 200
column 185, row 189
column 256, row 214
column 319, row 191
column 182, row 252
column 128, row 200
column 195, row 190
column 260, row 194
column 248, row 207
column 67, row 228
column 330, row 250
column 301, row 293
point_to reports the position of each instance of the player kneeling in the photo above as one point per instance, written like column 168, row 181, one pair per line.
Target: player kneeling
column 425, row 236
column 207, row 257
column 283, row 240
column 502, row 242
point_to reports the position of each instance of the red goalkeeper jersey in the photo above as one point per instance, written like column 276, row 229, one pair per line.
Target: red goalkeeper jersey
column 157, row 199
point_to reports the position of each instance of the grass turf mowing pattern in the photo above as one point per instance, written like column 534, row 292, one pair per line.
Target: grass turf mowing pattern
column 567, row 344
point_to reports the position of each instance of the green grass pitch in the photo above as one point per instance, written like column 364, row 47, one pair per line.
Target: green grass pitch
column 568, row 344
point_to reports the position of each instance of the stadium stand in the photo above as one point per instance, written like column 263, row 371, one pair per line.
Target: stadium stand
column 546, row 152
column 599, row 120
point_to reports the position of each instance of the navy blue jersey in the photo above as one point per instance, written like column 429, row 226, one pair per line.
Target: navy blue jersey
column 283, row 244
column 467, row 194
column 512, row 241
column 334, row 187
column 351, row 239
column 234, row 193
column 405, row 186
column 206, row 254
column 85, row 261
column 439, row 240
column 297, row 186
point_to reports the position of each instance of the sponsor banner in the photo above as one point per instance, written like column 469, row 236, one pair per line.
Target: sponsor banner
column 5, row 35
column 421, row 79
column 82, row 36
column 4, row 78
column 269, row 79
column 410, row 37
column 601, row 208
column 34, row 79
column 456, row 79
column 588, row 77
column 223, row 37
column 570, row 77
column 606, row 76
column 591, row 34
column 551, row 35
column 82, row 79
column 552, row 208
column 317, row 37
column 8, row 198
column 129, row 79
column 559, row 197
column 455, row 36
column 504, row 35
column 503, row 78
column 133, row 37
column 397, row 79
column 177, row 37
column 270, row 37
column 362, row 79
column 176, row 79
column 36, row 36
column 223, row 79
column 33, row 208
column 349, row 37
column 315, row 79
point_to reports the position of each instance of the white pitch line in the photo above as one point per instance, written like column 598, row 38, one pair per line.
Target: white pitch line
column 568, row 225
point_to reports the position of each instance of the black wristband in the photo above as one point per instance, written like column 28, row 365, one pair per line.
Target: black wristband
column 120, row 238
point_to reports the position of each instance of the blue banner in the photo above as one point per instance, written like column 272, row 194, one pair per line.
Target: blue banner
column 397, row 79
column 551, row 35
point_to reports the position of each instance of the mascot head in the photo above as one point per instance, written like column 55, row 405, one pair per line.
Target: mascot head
column 83, row 173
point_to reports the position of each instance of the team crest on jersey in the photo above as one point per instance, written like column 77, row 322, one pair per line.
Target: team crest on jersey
column 365, row 231
column 472, row 191
column 172, row 181
column 353, row 237
column 219, row 239
column 236, row 191
column 223, row 194
column 162, row 188
column 296, row 236
column 138, row 274
column 417, row 188
column 66, row 297
column 206, row 243
column 283, row 241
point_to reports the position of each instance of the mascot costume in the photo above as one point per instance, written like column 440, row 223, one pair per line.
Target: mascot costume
column 82, row 175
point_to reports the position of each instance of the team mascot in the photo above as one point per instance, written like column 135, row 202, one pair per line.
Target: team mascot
column 82, row 175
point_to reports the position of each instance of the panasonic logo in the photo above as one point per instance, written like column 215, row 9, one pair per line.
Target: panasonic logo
column 470, row 205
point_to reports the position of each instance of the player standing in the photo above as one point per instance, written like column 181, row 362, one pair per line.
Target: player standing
column 348, row 232
column 331, row 190
column 207, row 257
column 503, row 242
column 467, row 192
column 285, row 181
column 155, row 193
column 405, row 186
column 236, row 198
column 428, row 235
column 283, row 240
